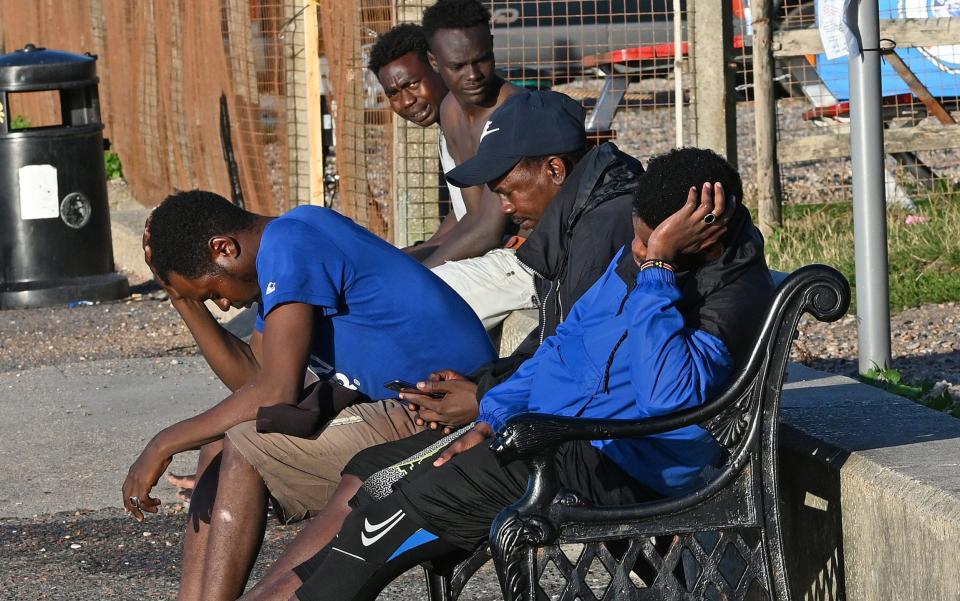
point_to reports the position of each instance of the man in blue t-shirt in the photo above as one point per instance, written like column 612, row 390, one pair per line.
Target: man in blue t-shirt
column 335, row 299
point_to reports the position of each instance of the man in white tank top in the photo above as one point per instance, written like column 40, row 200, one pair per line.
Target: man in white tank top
column 464, row 251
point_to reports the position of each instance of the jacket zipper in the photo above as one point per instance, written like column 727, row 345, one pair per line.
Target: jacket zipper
column 616, row 347
column 543, row 301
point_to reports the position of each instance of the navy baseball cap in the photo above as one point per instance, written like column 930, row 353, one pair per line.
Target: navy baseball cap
column 530, row 124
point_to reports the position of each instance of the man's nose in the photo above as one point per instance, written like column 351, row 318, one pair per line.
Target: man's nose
column 474, row 73
column 407, row 98
column 507, row 208
column 223, row 303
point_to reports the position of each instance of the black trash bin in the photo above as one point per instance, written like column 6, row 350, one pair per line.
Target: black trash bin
column 55, row 244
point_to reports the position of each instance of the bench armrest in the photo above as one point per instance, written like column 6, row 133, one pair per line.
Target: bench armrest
column 539, row 434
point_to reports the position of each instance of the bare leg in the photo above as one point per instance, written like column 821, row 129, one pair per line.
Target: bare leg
column 198, row 523
column 280, row 581
column 236, row 527
column 187, row 481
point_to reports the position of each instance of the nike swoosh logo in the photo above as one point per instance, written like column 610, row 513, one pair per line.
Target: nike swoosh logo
column 383, row 527
column 487, row 131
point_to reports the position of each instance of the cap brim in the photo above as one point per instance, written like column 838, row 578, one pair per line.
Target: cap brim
column 480, row 170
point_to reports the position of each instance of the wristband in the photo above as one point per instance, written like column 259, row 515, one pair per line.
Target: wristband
column 660, row 263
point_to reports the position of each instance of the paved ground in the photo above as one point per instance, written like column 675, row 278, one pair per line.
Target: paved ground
column 67, row 436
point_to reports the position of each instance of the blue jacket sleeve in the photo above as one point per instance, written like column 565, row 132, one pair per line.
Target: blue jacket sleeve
column 672, row 367
column 511, row 396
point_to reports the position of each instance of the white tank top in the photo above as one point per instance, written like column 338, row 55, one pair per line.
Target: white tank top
column 456, row 197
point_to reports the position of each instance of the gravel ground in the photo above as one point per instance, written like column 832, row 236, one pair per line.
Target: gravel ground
column 118, row 559
column 925, row 342
column 105, row 555
column 144, row 325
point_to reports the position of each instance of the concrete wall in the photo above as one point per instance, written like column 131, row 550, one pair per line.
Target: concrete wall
column 871, row 492
column 870, row 489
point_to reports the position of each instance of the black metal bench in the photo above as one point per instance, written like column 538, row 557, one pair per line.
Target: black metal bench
column 721, row 541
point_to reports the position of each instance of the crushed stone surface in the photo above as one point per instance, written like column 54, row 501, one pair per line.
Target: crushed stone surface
column 143, row 325
column 925, row 342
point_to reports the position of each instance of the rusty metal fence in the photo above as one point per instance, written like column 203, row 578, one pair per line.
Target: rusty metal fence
column 218, row 94
column 193, row 94
column 615, row 56
column 921, row 88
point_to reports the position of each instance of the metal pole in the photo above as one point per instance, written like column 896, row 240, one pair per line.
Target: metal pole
column 869, row 203
column 678, row 71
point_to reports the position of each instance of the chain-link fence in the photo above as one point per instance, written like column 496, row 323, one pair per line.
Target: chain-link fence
column 615, row 56
column 193, row 94
column 921, row 86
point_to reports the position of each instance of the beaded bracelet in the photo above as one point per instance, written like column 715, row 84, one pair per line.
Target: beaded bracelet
column 658, row 263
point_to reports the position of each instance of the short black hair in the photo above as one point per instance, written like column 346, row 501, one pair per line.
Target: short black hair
column 399, row 40
column 664, row 186
column 454, row 14
column 180, row 229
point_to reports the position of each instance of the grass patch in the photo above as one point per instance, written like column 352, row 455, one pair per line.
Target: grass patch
column 930, row 394
column 924, row 257
column 112, row 165
column 20, row 122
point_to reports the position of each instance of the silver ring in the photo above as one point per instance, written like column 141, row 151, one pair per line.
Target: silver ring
column 135, row 501
column 709, row 218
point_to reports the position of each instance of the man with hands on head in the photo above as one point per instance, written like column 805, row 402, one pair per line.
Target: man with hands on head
column 662, row 330
column 327, row 293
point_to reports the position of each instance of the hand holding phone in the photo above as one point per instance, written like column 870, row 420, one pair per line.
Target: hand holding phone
column 403, row 386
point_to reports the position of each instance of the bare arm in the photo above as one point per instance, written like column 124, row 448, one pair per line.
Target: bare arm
column 229, row 357
column 477, row 232
column 425, row 248
column 286, row 345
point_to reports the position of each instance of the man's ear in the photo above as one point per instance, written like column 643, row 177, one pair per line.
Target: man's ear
column 223, row 247
column 556, row 169
column 433, row 61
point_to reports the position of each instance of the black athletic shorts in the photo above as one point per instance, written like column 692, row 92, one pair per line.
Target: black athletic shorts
column 373, row 459
column 459, row 500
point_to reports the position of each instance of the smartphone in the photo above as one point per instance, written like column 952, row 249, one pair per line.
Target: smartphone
column 401, row 385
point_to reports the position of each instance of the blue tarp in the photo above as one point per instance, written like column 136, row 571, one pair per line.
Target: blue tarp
column 937, row 67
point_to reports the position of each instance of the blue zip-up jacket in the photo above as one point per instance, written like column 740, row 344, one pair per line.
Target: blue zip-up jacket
column 626, row 352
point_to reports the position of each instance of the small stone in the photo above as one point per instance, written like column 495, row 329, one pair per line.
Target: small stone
column 76, row 546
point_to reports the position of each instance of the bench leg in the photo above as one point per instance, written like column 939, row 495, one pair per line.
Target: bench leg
column 438, row 585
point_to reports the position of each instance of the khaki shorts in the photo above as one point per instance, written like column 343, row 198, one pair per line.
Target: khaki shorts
column 302, row 473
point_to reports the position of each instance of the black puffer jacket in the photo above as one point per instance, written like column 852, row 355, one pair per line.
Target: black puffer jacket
column 572, row 245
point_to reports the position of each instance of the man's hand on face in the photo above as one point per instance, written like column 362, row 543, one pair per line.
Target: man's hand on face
column 472, row 438
column 686, row 231
column 457, row 406
column 141, row 478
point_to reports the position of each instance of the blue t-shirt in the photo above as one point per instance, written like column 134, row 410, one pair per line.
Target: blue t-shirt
column 380, row 315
